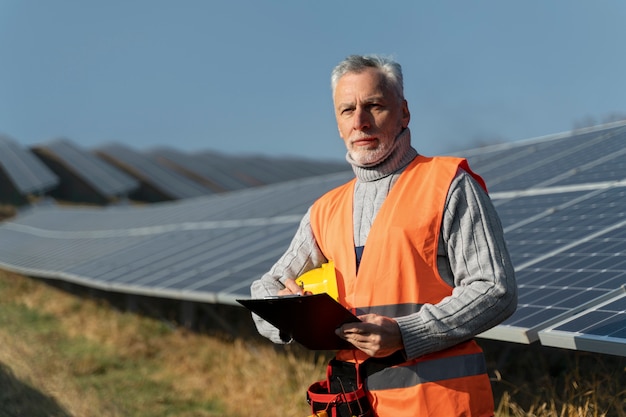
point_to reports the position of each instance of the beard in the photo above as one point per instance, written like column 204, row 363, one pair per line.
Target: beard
column 370, row 157
column 374, row 156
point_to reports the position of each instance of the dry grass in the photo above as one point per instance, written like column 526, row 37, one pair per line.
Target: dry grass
column 550, row 382
column 92, row 360
column 68, row 356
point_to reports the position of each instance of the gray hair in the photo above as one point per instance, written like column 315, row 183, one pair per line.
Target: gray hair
column 391, row 70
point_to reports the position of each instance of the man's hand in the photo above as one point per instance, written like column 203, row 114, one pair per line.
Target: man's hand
column 377, row 336
column 291, row 288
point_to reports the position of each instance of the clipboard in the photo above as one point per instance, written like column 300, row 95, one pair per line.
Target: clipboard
column 310, row 320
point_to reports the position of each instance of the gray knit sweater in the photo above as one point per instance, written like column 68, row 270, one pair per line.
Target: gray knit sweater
column 472, row 258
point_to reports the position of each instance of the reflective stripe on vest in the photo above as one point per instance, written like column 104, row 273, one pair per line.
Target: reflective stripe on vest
column 427, row 371
column 390, row 310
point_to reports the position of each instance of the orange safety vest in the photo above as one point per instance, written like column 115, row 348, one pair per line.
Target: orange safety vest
column 397, row 275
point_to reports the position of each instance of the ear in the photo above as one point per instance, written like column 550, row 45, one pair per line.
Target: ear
column 406, row 114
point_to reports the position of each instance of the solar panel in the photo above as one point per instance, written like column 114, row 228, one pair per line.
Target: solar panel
column 602, row 328
column 520, row 166
column 170, row 183
column 565, row 248
column 102, row 177
column 27, row 173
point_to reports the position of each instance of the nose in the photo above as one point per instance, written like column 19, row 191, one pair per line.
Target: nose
column 361, row 120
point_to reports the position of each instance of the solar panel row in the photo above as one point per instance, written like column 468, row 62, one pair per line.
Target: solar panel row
column 203, row 249
column 116, row 172
column 104, row 178
column 563, row 214
column 169, row 183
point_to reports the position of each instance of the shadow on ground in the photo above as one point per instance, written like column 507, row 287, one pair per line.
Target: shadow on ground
column 18, row 399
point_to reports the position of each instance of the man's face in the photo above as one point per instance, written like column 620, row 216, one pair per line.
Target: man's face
column 369, row 115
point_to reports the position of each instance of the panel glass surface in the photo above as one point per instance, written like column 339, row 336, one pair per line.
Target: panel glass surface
column 27, row 173
column 539, row 163
column 104, row 178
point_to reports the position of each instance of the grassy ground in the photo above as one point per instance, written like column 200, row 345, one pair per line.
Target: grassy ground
column 70, row 356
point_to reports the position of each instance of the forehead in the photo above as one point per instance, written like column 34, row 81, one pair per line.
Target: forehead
column 369, row 82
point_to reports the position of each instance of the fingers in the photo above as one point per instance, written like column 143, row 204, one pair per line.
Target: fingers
column 370, row 323
column 291, row 287
column 357, row 334
column 361, row 339
column 376, row 335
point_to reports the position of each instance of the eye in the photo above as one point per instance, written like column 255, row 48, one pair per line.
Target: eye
column 347, row 111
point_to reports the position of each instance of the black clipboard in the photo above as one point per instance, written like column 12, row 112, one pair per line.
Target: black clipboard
column 310, row 320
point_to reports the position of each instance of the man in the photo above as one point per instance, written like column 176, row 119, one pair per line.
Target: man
column 419, row 255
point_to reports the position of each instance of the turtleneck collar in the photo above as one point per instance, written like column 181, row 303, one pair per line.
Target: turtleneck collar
column 401, row 154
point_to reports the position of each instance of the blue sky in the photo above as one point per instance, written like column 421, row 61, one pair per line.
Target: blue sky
column 246, row 77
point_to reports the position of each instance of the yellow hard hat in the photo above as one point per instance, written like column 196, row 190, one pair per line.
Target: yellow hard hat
column 320, row 280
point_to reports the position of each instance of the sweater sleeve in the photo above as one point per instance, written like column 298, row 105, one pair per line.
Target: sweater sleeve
column 302, row 255
column 473, row 258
